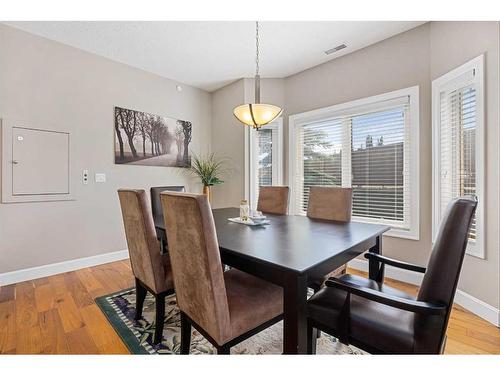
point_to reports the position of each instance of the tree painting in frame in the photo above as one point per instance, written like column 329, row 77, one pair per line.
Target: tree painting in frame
column 145, row 139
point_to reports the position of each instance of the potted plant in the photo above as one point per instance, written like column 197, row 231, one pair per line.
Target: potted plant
column 208, row 169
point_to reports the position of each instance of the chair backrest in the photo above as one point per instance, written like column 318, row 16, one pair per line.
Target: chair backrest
column 330, row 203
column 273, row 199
column 143, row 246
column 196, row 264
column 443, row 270
column 440, row 280
column 155, row 197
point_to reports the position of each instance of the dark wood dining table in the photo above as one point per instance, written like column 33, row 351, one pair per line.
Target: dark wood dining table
column 290, row 252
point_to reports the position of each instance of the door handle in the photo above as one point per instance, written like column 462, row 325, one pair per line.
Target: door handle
column 15, row 162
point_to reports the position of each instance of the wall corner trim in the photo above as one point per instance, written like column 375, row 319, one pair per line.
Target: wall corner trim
column 468, row 302
column 56, row 268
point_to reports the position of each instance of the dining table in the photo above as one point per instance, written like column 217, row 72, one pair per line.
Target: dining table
column 291, row 251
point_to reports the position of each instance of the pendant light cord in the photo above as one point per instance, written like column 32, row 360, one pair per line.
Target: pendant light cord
column 257, row 48
column 256, row 114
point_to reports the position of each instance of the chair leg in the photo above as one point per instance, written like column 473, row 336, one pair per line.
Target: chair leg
column 224, row 350
column 160, row 317
column 185, row 334
column 140, row 296
column 312, row 336
column 316, row 288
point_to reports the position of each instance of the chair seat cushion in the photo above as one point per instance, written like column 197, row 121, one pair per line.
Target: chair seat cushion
column 381, row 327
column 252, row 301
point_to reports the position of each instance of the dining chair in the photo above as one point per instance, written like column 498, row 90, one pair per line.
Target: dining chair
column 151, row 269
column 155, row 197
column 333, row 204
column 273, row 200
column 156, row 207
column 380, row 319
column 225, row 307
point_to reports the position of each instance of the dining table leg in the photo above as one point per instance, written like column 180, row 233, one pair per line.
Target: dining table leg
column 295, row 314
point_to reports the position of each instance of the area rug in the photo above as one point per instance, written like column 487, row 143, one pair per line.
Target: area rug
column 119, row 308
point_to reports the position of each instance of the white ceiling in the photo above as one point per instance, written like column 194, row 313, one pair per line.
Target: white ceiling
column 212, row 54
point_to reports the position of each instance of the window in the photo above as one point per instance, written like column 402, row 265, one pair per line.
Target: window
column 458, row 143
column 370, row 145
column 265, row 158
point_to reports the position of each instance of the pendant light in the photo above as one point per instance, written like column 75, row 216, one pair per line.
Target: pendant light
column 257, row 114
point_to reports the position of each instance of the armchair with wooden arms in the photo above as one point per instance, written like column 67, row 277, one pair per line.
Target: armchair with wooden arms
column 380, row 319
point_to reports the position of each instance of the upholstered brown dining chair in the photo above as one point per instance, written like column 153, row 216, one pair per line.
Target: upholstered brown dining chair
column 333, row 204
column 381, row 319
column 273, row 200
column 151, row 270
column 225, row 307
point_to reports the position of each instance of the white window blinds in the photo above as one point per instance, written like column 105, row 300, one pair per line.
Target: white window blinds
column 366, row 148
column 380, row 178
column 320, row 163
column 457, row 136
column 265, row 157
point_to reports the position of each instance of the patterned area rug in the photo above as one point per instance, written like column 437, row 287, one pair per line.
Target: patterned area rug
column 119, row 308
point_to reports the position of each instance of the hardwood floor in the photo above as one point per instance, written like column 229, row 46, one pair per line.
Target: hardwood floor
column 57, row 314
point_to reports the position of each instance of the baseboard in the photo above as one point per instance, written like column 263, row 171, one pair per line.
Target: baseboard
column 478, row 307
column 468, row 302
column 55, row 268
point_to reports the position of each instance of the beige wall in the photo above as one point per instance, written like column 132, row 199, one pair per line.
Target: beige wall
column 46, row 83
column 228, row 142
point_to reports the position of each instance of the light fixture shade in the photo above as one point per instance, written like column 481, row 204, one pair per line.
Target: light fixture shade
column 257, row 114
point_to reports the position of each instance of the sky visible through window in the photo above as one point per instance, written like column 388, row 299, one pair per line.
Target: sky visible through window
column 382, row 128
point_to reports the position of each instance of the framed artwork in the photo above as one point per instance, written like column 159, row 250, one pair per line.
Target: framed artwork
column 146, row 139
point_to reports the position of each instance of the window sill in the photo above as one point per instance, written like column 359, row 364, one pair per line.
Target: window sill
column 403, row 234
column 412, row 234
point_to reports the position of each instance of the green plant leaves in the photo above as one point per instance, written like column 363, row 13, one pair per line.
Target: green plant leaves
column 207, row 168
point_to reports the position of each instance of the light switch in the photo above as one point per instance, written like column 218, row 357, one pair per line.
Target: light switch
column 100, row 177
column 85, row 176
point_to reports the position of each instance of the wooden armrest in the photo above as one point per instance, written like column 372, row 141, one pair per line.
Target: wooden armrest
column 395, row 263
column 419, row 307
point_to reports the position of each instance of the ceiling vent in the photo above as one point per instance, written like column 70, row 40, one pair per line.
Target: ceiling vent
column 335, row 49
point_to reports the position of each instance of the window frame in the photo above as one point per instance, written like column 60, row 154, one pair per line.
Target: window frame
column 277, row 157
column 452, row 80
column 366, row 105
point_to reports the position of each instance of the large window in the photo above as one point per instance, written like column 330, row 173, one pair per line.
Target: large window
column 370, row 145
column 458, row 143
column 265, row 158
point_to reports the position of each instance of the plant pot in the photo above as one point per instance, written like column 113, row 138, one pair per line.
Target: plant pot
column 206, row 191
